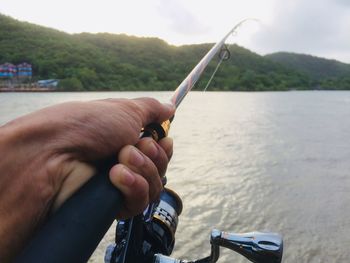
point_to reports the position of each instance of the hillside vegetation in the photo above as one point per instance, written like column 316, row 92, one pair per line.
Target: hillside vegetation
column 119, row 62
column 324, row 73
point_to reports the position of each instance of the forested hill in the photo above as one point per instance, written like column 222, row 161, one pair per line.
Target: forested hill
column 120, row 62
column 318, row 69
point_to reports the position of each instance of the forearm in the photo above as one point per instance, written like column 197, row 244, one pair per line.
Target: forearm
column 24, row 191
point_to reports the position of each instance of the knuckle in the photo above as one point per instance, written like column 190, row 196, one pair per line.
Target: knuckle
column 149, row 108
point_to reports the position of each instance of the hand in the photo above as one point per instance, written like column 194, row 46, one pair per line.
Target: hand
column 49, row 154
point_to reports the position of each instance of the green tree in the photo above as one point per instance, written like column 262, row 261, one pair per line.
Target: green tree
column 70, row 84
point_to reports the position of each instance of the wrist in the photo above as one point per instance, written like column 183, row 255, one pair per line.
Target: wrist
column 27, row 157
column 25, row 193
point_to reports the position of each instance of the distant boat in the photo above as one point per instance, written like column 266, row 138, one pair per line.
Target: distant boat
column 48, row 83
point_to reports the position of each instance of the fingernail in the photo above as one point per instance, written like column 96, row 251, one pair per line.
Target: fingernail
column 128, row 177
column 152, row 150
column 170, row 106
column 168, row 144
column 136, row 158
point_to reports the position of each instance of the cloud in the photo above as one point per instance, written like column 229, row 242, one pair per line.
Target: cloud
column 180, row 19
column 318, row 27
column 342, row 2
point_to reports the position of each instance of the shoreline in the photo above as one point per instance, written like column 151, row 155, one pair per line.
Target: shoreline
column 36, row 88
column 27, row 89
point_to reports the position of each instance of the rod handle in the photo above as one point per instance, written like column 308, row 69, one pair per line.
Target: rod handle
column 72, row 234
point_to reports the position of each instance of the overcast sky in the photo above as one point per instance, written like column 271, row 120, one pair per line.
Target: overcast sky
column 317, row 27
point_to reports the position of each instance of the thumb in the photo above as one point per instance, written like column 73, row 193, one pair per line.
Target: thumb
column 153, row 111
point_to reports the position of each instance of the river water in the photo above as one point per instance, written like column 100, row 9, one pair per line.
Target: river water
column 250, row 161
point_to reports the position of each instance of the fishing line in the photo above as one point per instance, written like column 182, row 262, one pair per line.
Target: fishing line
column 225, row 53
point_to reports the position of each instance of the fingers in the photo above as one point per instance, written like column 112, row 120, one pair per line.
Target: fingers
column 167, row 145
column 138, row 173
column 139, row 163
column 159, row 153
column 135, row 190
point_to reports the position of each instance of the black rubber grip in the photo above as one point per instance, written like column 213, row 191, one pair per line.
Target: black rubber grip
column 72, row 234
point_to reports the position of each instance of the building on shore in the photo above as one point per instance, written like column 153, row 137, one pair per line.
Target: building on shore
column 24, row 71
column 14, row 77
column 11, row 73
column 19, row 78
column 8, row 71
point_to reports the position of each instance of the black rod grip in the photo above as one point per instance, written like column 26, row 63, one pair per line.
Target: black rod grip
column 72, row 234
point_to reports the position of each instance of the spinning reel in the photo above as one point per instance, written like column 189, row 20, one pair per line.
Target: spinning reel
column 150, row 238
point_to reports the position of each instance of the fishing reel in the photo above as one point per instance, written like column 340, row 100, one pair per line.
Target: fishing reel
column 150, row 238
column 140, row 238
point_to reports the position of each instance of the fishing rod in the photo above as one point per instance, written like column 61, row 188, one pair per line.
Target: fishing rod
column 74, row 231
column 130, row 233
column 150, row 237
column 188, row 83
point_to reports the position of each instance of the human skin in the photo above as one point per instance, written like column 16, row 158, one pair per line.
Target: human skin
column 47, row 155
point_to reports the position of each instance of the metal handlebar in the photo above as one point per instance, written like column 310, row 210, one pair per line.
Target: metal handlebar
column 257, row 247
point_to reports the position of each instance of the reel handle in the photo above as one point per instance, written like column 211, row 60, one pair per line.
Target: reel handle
column 258, row 247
